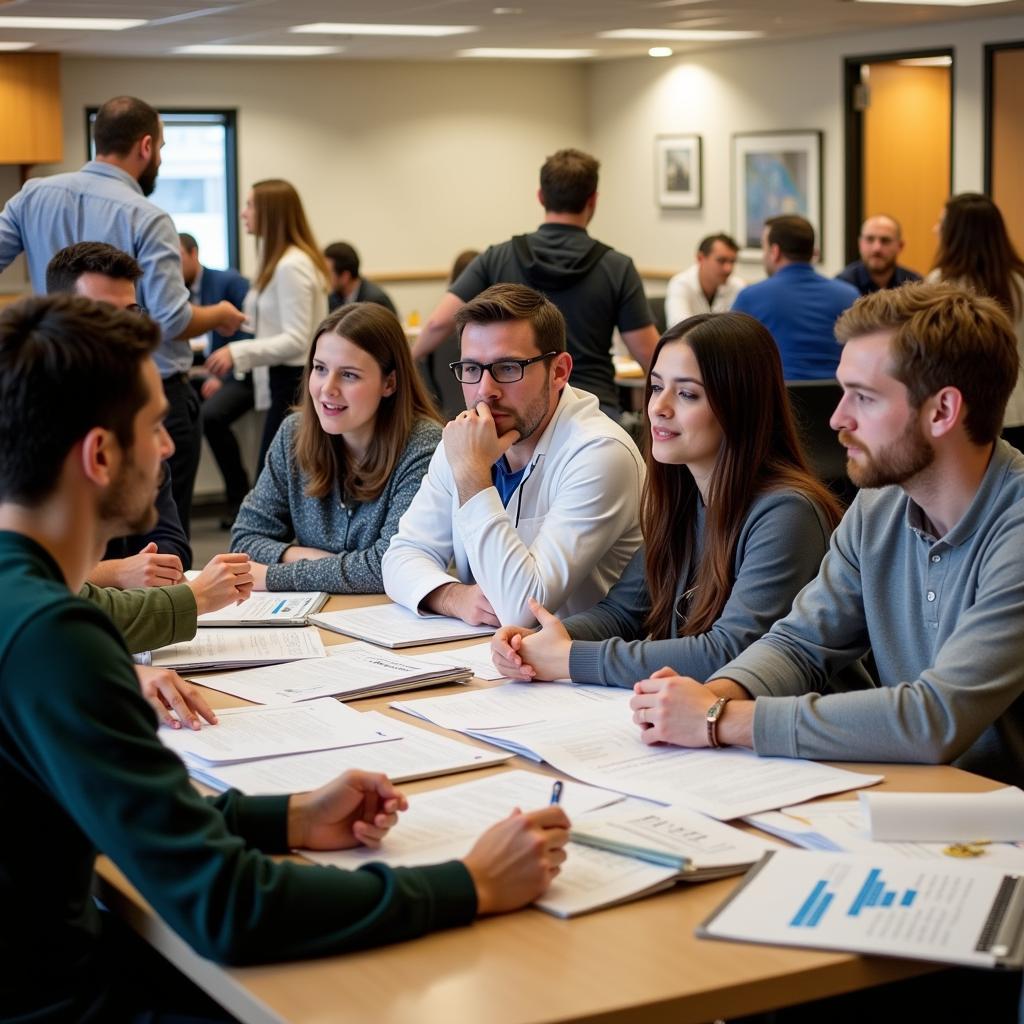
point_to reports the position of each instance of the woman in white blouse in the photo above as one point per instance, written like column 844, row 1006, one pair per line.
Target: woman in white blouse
column 286, row 302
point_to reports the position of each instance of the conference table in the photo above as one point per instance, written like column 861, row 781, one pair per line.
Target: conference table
column 638, row 962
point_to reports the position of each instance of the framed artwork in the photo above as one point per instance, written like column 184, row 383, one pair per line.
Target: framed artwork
column 680, row 174
column 774, row 173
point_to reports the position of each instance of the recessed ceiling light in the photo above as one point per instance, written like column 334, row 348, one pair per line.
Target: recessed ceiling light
column 360, row 29
column 660, row 51
column 228, row 50
column 15, row 46
column 507, row 10
column 926, row 62
column 682, row 35
column 85, row 24
column 525, row 53
column 936, row 3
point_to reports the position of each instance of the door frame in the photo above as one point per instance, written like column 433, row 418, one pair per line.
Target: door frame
column 853, row 129
column 991, row 49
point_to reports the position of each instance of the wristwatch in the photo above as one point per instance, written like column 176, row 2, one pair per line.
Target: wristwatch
column 714, row 713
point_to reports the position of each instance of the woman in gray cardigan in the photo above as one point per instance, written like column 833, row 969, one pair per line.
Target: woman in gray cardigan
column 343, row 469
column 734, row 522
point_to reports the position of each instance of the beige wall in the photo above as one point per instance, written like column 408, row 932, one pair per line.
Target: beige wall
column 756, row 88
column 409, row 162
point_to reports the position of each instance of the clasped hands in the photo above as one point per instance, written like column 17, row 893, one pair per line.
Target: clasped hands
column 668, row 707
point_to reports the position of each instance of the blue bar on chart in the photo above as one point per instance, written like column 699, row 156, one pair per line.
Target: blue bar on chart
column 813, row 908
column 874, row 894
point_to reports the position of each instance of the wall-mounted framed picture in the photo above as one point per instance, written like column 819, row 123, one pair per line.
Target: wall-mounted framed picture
column 680, row 175
column 774, row 173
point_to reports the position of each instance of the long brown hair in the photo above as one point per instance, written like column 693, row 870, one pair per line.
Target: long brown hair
column 323, row 457
column 280, row 223
column 742, row 373
column 975, row 250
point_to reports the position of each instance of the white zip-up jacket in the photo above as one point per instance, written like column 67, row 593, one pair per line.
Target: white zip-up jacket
column 571, row 525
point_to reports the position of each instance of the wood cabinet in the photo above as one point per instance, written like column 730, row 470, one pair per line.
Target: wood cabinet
column 31, row 123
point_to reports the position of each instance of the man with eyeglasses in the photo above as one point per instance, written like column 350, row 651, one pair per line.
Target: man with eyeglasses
column 158, row 558
column 534, row 492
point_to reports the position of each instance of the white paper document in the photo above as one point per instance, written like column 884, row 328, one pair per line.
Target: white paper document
column 724, row 783
column 240, row 648
column 516, row 704
column 349, row 671
column 697, row 846
column 839, row 826
column 953, row 912
column 391, row 625
column 267, row 609
column 245, row 733
column 415, row 754
column 444, row 823
column 998, row 815
column 477, row 657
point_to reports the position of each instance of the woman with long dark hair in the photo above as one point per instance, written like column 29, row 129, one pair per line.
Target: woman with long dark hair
column 343, row 469
column 734, row 523
column 287, row 300
column 975, row 251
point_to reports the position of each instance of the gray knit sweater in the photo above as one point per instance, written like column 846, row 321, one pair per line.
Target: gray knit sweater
column 278, row 513
column 780, row 547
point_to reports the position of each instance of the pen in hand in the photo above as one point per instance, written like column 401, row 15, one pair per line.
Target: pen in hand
column 556, row 793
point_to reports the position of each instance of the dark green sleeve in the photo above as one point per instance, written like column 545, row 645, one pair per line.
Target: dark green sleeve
column 88, row 739
column 147, row 617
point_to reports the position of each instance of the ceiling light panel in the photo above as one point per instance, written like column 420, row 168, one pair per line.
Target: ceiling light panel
column 64, row 24
column 361, row 29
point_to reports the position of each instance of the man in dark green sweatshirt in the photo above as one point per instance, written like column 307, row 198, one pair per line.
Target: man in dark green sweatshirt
column 81, row 768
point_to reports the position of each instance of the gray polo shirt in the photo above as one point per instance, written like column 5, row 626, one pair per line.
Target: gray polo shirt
column 944, row 619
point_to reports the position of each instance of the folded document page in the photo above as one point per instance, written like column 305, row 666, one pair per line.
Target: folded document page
column 349, row 671
column 240, row 648
column 267, row 609
column 606, row 750
column 244, row 733
column 945, row 816
column 391, row 625
column 415, row 754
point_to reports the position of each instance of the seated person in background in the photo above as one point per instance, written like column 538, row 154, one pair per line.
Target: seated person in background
column 734, row 523
column 342, row 470
column 226, row 397
column 798, row 305
column 535, row 493
column 709, row 285
column 925, row 569
column 80, row 762
column 346, row 284
column 159, row 557
column 880, row 244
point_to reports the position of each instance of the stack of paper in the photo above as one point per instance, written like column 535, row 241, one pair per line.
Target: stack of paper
column 477, row 657
column 414, row 754
column 246, row 733
column 391, row 625
column 501, row 707
column 349, row 671
column 998, row 814
column 240, row 648
column 587, row 732
column 267, row 609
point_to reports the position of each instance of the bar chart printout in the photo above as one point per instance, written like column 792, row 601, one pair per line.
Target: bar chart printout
column 951, row 913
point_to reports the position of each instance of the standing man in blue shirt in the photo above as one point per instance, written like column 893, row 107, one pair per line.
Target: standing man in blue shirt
column 798, row 305
column 106, row 202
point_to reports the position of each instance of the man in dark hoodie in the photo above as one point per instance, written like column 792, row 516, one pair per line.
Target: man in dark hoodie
column 596, row 288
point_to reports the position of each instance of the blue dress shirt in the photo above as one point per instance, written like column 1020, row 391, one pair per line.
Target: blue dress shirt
column 102, row 203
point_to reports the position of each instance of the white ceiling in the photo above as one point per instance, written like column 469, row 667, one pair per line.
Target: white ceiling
column 537, row 23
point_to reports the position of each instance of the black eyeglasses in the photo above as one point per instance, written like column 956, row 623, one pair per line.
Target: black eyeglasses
column 504, row 371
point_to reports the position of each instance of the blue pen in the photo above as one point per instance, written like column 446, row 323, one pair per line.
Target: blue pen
column 556, row 793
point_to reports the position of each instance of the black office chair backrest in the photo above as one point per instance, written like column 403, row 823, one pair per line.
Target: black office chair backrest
column 657, row 304
column 813, row 403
